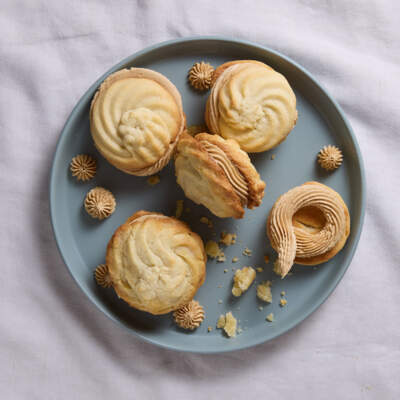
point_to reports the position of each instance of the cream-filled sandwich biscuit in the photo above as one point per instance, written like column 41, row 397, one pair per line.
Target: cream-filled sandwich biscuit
column 155, row 263
column 252, row 104
column 136, row 119
column 216, row 173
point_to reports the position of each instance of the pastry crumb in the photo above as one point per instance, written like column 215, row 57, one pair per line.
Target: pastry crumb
column 270, row 317
column 153, row 180
column 212, row 249
column 247, row 252
column 266, row 259
column 242, row 280
column 260, row 308
column 240, row 330
column 228, row 323
column 273, row 157
column 219, row 286
column 206, row 221
column 235, row 259
column 221, row 257
column 264, row 291
column 283, row 293
column 228, row 239
column 259, row 269
column 209, row 329
column 221, row 321
column 219, row 301
column 225, row 270
column 283, row 302
column 179, row 208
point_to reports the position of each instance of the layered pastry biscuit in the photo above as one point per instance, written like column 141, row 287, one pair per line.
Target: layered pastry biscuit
column 136, row 118
column 216, row 173
column 252, row 104
column 156, row 263
column 307, row 225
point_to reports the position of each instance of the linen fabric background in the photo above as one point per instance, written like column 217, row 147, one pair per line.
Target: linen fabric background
column 54, row 343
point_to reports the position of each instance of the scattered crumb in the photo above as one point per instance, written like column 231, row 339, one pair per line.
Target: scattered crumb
column 228, row 238
column 264, row 291
column 240, row 330
column 153, row 180
column 209, row 329
column 221, row 321
column 235, row 259
column 261, row 308
column 179, row 208
column 205, row 220
column 225, row 270
column 259, row 269
column 283, row 293
column 266, row 259
column 242, row 280
column 270, row 317
column 219, row 286
column 221, row 257
column 228, row 323
column 273, row 157
column 283, row 302
column 247, row 252
column 212, row 249
column 187, row 209
column 219, row 301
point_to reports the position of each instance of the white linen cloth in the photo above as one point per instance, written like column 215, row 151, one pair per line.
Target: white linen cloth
column 54, row 343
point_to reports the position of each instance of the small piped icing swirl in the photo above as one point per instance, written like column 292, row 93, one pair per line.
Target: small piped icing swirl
column 291, row 242
column 235, row 177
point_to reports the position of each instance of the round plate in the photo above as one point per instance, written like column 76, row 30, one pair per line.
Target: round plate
column 82, row 240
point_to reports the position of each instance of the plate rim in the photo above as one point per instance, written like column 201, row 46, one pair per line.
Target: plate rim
column 247, row 43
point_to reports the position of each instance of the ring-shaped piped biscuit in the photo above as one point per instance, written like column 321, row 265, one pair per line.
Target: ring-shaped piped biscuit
column 307, row 225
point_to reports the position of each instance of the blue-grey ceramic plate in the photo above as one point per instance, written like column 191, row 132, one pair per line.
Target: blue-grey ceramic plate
column 82, row 241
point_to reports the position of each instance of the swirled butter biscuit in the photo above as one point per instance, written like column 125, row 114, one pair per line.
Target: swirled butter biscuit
column 216, row 173
column 252, row 104
column 136, row 119
column 307, row 225
column 156, row 263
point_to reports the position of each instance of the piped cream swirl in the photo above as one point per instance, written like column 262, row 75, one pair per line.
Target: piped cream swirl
column 235, row 177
